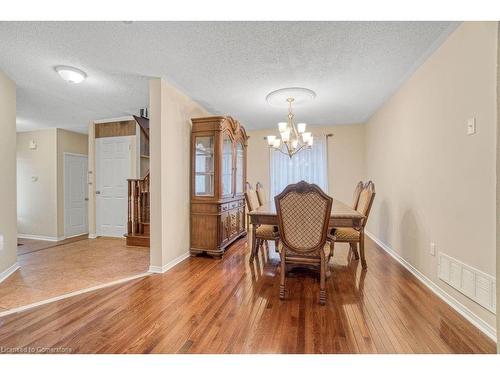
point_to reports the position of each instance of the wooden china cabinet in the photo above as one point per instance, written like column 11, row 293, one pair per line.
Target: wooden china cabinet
column 218, row 175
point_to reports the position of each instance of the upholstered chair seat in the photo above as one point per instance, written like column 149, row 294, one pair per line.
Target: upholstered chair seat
column 346, row 234
column 267, row 231
column 327, row 250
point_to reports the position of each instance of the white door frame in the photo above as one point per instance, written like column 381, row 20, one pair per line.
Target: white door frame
column 86, row 157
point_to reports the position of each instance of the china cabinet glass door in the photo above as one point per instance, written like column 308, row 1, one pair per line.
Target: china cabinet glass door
column 204, row 166
column 227, row 165
column 239, row 168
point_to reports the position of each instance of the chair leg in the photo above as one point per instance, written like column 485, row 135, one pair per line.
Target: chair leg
column 322, row 291
column 254, row 244
column 276, row 243
column 362, row 248
column 354, row 249
column 282, row 277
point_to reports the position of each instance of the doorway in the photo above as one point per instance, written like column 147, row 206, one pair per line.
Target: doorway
column 112, row 172
column 75, row 195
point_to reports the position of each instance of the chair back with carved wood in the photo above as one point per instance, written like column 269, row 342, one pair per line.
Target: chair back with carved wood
column 303, row 214
column 251, row 198
column 366, row 198
column 357, row 193
column 261, row 193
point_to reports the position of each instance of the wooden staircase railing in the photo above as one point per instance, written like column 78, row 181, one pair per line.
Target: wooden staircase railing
column 139, row 201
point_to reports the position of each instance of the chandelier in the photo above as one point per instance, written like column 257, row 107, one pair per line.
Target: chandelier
column 293, row 137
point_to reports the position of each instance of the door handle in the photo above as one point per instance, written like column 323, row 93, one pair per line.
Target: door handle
column 86, row 199
column 97, row 192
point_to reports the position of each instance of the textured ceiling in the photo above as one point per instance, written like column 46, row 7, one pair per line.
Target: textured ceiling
column 229, row 67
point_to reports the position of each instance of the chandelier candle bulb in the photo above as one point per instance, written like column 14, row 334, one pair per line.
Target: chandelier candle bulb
column 277, row 143
column 306, row 136
column 301, row 127
column 282, row 126
column 285, row 136
column 271, row 139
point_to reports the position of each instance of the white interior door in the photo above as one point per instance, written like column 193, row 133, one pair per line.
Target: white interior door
column 112, row 171
column 75, row 195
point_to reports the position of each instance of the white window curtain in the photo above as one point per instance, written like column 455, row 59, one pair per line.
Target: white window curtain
column 308, row 165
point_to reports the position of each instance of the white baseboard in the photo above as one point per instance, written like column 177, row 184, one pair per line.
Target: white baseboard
column 9, row 271
column 92, row 236
column 463, row 310
column 37, row 237
column 74, row 235
column 169, row 265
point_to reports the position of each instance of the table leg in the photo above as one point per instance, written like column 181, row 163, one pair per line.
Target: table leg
column 254, row 243
column 362, row 247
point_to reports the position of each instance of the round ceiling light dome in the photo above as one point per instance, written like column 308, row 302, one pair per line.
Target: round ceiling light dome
column 300, row 95
column 71, row 74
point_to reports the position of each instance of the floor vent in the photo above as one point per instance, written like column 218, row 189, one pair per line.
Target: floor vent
column 475, row 284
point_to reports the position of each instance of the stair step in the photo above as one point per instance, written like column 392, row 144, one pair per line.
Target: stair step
column 137, row 240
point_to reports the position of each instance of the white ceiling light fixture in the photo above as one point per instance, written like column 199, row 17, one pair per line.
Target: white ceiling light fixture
column 293, row 137
column 71, row 74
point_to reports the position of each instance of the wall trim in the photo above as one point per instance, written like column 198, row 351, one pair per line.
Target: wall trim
column 92, row 236
column 463, row 310
column 38, row 237
column 9, row 271
column 169, row 265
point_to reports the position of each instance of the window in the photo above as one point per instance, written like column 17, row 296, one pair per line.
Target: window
column 307, row 165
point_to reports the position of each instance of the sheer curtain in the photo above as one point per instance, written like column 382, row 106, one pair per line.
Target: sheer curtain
column 308, row 165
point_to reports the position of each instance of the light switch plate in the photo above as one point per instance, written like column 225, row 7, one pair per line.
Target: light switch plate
column 432, row 249
column 471, row 126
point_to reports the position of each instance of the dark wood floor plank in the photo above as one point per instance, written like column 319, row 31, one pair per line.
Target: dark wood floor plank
column 230, row 306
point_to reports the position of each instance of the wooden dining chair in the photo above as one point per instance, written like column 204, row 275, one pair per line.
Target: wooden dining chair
column 303, row 214
column 357, row 193
column 263, row 233
column 354, row 236
column 261, row 193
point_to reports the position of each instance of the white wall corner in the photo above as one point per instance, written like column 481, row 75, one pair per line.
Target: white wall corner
column 463, row 310
column 9, row 271
column 169, row 265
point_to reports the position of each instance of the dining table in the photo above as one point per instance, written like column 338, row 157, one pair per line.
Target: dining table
column 342, row 216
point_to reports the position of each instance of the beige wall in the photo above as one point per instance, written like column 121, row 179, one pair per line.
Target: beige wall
column 8, row 227
column 37, row 200
column 170, row 134
column 434, row 182
column 498, row 188
column 74, row 143
column 41, row 203
column 346, row 158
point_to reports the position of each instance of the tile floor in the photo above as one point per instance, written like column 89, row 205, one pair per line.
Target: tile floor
column 70, row 267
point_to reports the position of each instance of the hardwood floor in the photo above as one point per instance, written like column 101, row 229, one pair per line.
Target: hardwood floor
column 26, row 245
column 228, row 306
column 70, row 267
